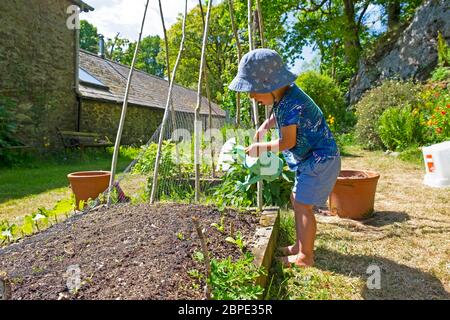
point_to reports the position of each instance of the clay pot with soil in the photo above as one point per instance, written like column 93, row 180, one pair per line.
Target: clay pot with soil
column 353, row 195
column 88, row 184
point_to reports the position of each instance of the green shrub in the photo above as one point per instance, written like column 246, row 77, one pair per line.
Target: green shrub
column 328, row 96
column 436, row 110
column 440, row 74
column 389, row 94
column 401, row 128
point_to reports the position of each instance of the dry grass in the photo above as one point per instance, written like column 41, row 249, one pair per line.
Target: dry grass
column 407, row 237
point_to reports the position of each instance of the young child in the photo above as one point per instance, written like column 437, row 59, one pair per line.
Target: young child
column 305, row 140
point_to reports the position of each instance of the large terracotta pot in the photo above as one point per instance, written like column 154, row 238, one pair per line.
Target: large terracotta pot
column 88, row 184
column 353, row 195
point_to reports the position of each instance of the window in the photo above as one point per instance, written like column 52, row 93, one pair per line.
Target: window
column 89, row 80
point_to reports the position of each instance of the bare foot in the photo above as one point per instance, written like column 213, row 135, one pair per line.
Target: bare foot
column 288, row 251
column 298, row 260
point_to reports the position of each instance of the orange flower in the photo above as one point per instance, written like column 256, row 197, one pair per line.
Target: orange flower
column 438, row 130
column 443, row 113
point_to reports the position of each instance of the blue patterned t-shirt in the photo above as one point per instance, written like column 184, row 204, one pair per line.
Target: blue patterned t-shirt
column 315, row 142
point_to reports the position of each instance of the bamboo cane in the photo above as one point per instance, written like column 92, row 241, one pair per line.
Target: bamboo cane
column 197, row 134
column 259, row 199
column 124, row 110
column 208, row 97
column 166, row 111
column 166, row 42
column 239, row 54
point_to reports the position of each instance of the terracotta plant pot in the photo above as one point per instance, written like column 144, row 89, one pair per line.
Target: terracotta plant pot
column 353, row 195
column 88, row 184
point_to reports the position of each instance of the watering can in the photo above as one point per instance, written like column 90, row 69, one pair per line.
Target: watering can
column 268, row 166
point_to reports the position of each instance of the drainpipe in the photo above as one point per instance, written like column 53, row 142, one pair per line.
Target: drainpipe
column 77, row 76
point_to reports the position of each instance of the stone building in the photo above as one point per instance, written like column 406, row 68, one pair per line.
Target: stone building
column 55, row 85
column 38, row 57
column 102, row 87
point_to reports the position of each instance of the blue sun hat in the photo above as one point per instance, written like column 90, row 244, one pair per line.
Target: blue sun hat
column 261, row 71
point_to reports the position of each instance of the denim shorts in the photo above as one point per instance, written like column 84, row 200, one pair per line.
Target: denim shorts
column 314, row 183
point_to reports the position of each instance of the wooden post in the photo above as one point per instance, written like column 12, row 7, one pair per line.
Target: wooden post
column 201, row 235
column 197, row 132
column 166, row 111
column 124, row 110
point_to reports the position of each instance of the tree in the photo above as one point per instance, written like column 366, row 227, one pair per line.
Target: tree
column 146, row 60
column 88, row 37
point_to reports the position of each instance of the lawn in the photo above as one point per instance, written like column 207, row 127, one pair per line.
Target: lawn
column 42, row 183
column 407, row 238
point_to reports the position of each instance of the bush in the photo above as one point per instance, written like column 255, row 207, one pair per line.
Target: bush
column 369, row 109
column 436, row 110
column 328, row 96
column 401, row 128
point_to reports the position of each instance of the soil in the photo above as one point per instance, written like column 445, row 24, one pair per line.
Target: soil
column 125, row 252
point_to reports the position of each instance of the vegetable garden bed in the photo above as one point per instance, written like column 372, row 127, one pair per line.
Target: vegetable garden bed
column 125, row 252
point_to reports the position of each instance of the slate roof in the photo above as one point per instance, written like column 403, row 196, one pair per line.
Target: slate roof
column 146, row 90
column 83, row 6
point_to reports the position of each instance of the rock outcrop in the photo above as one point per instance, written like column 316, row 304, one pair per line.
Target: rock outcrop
column 410, row 55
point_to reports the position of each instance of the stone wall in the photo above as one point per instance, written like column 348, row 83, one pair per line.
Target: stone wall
column 140, row 123
column 37, row 67
column 412, row 55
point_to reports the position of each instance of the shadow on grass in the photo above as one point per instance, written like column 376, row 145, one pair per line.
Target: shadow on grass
column 384, row 218
column 397, row 281
column 40, row 175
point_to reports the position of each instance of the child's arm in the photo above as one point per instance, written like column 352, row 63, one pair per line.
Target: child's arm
column 287, row 141
column 266, row 126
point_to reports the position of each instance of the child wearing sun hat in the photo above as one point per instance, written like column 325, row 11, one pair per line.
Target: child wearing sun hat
column 305, row 140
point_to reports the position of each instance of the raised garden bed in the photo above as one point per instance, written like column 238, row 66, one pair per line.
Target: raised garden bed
column 125, row 252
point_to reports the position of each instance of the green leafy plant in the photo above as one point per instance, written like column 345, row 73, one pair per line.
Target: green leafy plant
column 436, row 110
column 36, row 221
column 235, row 280
column 401, row 128
column 229, row 193
column 194, row 273
column 238, row 240
column 180, row 236
column 329, row 97
column 375, row 101
column 198, row 256
column 7, row 231
column 219, row 226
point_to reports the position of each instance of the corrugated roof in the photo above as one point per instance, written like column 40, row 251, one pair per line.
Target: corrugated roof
column 146, row 90
column 83, row 6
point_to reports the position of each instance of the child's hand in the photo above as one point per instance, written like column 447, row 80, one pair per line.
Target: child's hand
column 253, row 150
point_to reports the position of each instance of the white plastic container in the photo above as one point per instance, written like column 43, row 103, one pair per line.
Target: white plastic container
column 437, row 165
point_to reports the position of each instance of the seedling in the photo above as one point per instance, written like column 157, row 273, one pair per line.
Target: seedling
column 238, row 240
column 180, row 236
column 194, row 273
column 198, row 256
column 219, row 227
